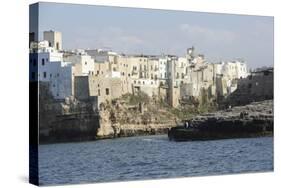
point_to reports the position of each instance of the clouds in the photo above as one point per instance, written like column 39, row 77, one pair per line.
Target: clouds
column 206, row 33
column 127, row 30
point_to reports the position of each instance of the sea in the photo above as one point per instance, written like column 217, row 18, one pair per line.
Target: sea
column 151, row 157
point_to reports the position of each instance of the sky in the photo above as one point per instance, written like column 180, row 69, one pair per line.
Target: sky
column 149, row 31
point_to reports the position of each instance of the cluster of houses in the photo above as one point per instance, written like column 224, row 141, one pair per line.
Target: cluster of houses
column 102, row 75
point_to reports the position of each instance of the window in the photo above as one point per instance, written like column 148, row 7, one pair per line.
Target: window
column 54, row 85
column 34, row 62
column 107, row 91
column 57, row 46
column 98, row 72
column 85, row 62
column 50, row 75
column 58, row 74
column 33, row 75
column 98, row 85
column 129, row 75
column 98, row 92
column 43, row 62
column 44, row 74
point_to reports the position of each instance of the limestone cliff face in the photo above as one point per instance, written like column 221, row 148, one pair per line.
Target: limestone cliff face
column 106, row 128
column 119, row 119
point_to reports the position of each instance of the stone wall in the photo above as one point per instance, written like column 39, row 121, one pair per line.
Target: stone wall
column 256, row 87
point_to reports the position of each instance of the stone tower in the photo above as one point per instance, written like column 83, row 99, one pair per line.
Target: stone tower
column 173, row 89
column 54, row 38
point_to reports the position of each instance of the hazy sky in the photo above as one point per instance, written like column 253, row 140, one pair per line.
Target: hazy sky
column 147, row 31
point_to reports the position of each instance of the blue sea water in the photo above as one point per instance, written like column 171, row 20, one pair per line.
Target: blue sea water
column 151, row 157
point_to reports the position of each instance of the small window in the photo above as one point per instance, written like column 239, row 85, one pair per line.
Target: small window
column 85, row 62
column 43, row 62
column 58, row 74
column 33, row 75
column 98, row 72
column 50, row 75
column 44, row 74
column 34, row 62
column 98, row 92
column 107, row 91
column 57, row 46
column 98, row 85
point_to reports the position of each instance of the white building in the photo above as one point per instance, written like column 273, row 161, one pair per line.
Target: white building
column 101, row 55
column 83, row 63
column 46, row 65
column 163, row 68
column 54, row 38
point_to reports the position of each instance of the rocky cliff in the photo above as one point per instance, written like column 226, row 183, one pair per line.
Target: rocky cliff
column 255, row 119
column 121, row 118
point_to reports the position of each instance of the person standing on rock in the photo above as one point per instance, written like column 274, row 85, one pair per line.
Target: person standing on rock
column 186, row 124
